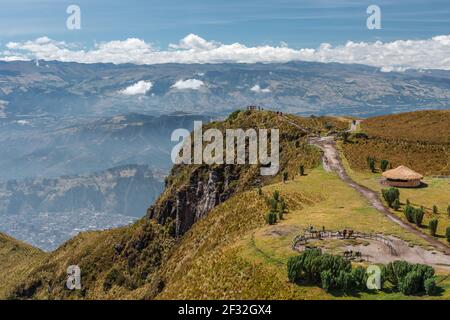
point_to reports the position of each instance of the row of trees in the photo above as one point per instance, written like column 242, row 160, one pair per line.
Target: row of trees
column 412, row 214
column 371, row 162
column 333, row 272
column 436, row 210
column 410, row 278
column 392, row 197
column 329, row 271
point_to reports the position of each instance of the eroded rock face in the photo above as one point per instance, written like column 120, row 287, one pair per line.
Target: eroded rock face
column 205, row 190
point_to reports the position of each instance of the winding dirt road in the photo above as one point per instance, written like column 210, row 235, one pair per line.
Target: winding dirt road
column 332, row 162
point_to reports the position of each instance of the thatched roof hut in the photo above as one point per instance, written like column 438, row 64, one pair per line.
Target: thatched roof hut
column 402, row 177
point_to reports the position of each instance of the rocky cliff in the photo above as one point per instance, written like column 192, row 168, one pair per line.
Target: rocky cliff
column 193, row 190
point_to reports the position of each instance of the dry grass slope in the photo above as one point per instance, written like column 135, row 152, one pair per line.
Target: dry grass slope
column 420, row 140
column 16, row 261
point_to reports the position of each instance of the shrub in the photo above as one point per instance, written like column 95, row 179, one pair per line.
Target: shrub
column 411, row 283
column 435, row 209
column 426, row 272
column 345, row 136
column 273, row 204
column 360, row 135
column 409, row 213
column 114, row 277
column 447, row 234
column 448, row 210
column 359, row 278
column 281, row 208
column 285, row 176
column 384, row 164
column 408, row 278
column 329, row 271
column 260, row 192
column 433, row 226
column 344, row 281
column 271, row 217
column 390, row 195
column 418, row 216
column 430, row 286
column 395, row 272
column 302, row 172
column 276, row 195
column 371, row 163
column 294, row 268
column 327, row 280
column 396, row 204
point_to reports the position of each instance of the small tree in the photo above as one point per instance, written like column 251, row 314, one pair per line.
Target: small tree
column 418, row 216
column 396, row 204
column 326, row 278
column 302, row 172
column 448, row 210
column 273, row 204
column 271, row 217
column 384, row 164
column 409, row 213
column 276, row 195
column 294, row 268
column 433, row 224
column 411, row 283
column 260, row 192
column 371, row 163
column 345, row 136
column 430, row 286
column 359, row 277
column 435, row 209
column 390, row 195
column 285, row 176
column 447, row 234
column 344, row 281
column 281, row 208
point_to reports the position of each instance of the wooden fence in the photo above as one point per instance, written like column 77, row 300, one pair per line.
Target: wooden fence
column 302, row 239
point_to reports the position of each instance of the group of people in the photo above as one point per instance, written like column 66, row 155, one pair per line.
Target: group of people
column 250, row 108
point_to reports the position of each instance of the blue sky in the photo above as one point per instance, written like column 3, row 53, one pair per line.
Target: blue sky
column 160, row 22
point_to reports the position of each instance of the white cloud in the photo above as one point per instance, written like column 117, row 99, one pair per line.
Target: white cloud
column 194, row 42
column 391, row 69
column 139, row 88
column 256, row 88
column 23, row 122
column 189, row 84
column 433, row 53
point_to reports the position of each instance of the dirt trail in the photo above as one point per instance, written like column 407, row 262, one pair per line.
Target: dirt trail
column 332, row 162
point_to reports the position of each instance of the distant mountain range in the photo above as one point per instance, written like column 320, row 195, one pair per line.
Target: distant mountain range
column 48, row 148
column 46, row 212
column 64, row 89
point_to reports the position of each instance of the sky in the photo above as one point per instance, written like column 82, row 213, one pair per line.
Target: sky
column 163, row 30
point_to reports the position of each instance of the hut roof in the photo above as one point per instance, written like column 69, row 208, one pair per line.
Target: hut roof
column 402, row 173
